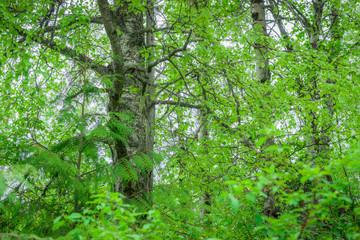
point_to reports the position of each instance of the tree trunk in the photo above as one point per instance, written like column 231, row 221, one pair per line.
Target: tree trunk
column 263, row 74
column 149, row 106
column 127, row 38
column 204, row 135
column 321, row 135
column 259, row 23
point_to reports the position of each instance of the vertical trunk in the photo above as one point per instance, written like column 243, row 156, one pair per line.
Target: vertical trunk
column 321, row 135
column 325, row 136
column 127, row 38
column 149, row 107
column 263, row 75
column 259, row 23
column 314, row 42
column 204, row 134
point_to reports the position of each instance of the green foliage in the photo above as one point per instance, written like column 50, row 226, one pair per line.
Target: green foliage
column 309, row 202
column 234, row 157
column 107, row 217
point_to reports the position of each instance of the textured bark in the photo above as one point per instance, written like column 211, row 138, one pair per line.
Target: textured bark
column 149, row 106
column 124, row 29
column 262, row 62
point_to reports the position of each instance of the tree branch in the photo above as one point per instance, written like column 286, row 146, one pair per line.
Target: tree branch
column 300, row 16
column 171, row 53
column 180, row 104
column 96, row 20
column 69, row 52
column 108, row 19
column 280, row 24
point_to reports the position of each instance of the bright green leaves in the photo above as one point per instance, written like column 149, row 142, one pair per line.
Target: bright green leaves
column 73, row 21
column 234, row 203
column 223, row 163
column 108, row 217
column 58, row 223
column 309, row 174
column 137, row 6
column 261, row 141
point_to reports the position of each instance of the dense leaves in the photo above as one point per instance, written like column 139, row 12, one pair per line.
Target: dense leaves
column 196, row 119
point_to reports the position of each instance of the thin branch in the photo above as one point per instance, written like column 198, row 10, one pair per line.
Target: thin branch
column 96, row 20
column 69, row 52
column 300, row 16
column 180, row 104
column 109, row 19
column 278, row 19
column 171, row 54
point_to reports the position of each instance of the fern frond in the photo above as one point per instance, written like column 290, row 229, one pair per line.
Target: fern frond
column 124, row 169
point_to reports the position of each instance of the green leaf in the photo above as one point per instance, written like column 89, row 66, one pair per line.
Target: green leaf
column 58, row 225
column 234, row 203
column 258, row 219
column 261, row 141
column 74, row 216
